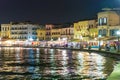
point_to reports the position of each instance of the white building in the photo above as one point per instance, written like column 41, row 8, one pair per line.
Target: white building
column 24, row 31
column 5, row 31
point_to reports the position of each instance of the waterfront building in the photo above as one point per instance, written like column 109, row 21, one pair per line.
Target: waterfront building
column 41, row 33
column 108, row 23
column 5, row 31
column 83, row 30
column 0, row 34
column 93, row 30
column 55, row 32
column 48, row 28
column 67, row 32
column 24, row 31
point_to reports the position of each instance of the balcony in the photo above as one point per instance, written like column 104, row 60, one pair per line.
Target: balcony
column 34, row 33
column 34, row 28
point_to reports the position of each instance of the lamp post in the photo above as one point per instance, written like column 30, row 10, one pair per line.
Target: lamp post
column 51, row 44
column 118, row 34
column 99, row 42
column 59, row 40
column 37, row 42
column 81, row 38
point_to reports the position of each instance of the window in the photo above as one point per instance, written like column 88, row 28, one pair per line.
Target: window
column 105, row 20
column 100, row 32
column 100, row 21
column 104, row 32
column 113, row 32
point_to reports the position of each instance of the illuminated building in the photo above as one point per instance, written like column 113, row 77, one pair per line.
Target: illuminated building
column 67, row 32
column 0, row 34
column 5, row 31
column 83, row 30
column 108, row 22
column 48, row 28
column 24, row 31
column 41, row 33
column 55, row 32
column 93, row 30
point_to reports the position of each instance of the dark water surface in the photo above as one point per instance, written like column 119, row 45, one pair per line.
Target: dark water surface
column 53, row 64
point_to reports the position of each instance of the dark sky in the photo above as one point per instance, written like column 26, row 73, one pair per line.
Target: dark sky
column 52, row 11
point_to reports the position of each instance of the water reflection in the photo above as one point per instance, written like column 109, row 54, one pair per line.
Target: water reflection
column 91, row 65
column 36, row 63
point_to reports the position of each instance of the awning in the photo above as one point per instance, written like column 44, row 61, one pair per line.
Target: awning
column 74, row 40
column 108, row 38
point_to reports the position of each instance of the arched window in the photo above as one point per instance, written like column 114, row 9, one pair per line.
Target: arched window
column 104, row 32
column 100, row 32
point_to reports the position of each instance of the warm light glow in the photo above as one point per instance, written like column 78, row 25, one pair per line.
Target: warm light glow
column 51, row 39
column 8, row 43
column 81, row 37
column 95, row 38
column 58, row 39
column 101, row 43
column 30, row 39
column 64, row 39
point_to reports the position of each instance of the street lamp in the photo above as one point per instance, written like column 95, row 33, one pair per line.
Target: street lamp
column 99, row 36
column 118, row 34
column 81, row 38
column 37, row 41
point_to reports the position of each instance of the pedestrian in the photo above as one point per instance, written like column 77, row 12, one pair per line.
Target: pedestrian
column 114, row 46
column 89, row 47
column 107, row 47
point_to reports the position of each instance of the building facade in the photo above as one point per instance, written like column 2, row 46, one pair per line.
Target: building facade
column 67, row 32
column 93, row 30
column 41, row 33
column 55, row 33
column 0, row 34
column 24, row 31
column 48, row 28
column 83, row 30
column 108, row 23
column 5, row 31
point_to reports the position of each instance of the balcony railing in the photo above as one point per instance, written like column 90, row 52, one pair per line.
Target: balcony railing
column 18, row 28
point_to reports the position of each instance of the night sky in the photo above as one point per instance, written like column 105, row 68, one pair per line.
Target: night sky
column 52, row 11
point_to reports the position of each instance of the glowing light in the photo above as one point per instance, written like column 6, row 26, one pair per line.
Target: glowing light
column 95, row 38
column 30, row 39
column 118, row 33
column 64, row 39
column 99, row 36
column 58, row 39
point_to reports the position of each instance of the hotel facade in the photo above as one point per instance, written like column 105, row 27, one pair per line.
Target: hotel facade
column 84, row 30
column 5, row 31
column 108, row 23
column 19, row 31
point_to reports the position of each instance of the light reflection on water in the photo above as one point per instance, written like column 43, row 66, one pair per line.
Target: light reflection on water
column 36, row 63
